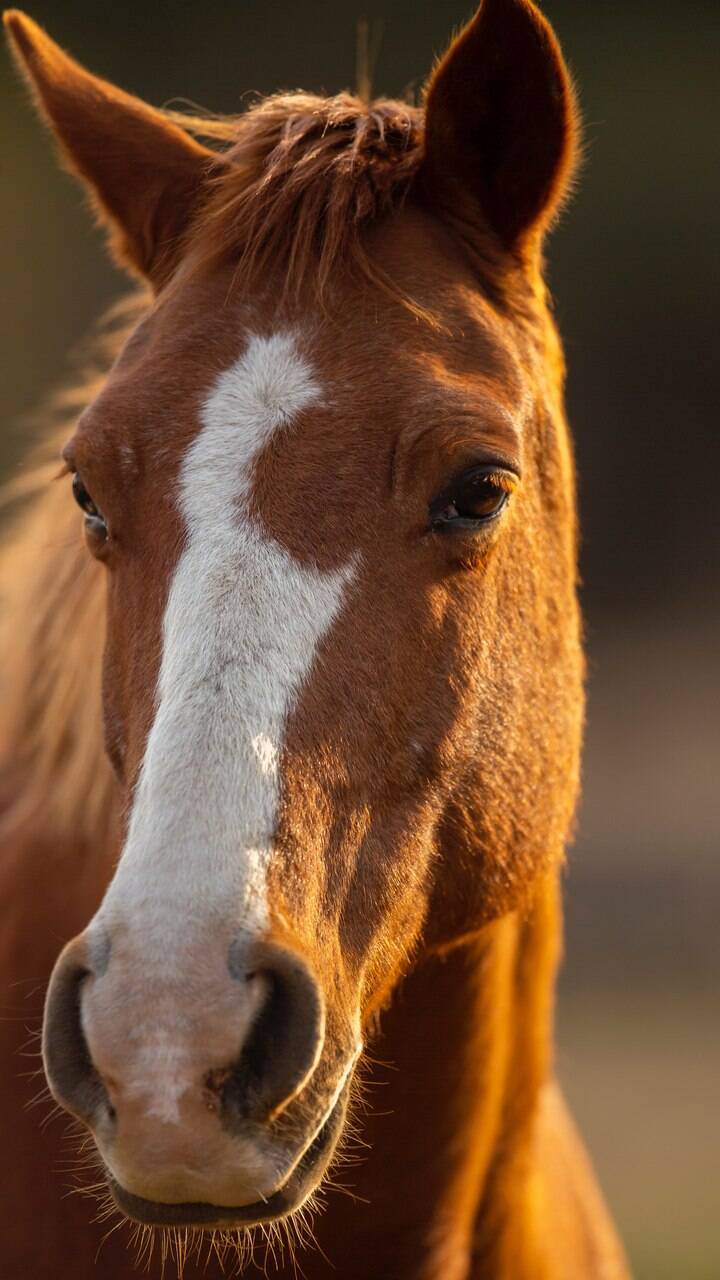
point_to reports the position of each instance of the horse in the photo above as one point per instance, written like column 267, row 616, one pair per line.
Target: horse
column 293, row 704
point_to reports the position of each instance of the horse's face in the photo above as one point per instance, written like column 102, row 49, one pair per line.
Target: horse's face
column 340, row 693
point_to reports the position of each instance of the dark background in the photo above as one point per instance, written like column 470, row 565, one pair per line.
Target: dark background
column 635, row 268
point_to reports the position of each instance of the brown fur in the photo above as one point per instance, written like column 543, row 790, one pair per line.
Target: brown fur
column 422, row 825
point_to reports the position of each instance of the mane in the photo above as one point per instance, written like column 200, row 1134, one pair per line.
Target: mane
column 55, row 779
column 298, row 181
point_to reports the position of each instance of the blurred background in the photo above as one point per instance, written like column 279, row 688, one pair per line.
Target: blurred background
column 635, row 271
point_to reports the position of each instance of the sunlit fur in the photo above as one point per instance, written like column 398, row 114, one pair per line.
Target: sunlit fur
column 429, row 762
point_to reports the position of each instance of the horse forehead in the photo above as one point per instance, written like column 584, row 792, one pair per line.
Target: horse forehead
column 264, row 389
column 260, row 393
column 188, row 366
column 163, row 397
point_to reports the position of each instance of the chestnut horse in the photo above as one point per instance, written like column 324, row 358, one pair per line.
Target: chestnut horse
column 324, row 609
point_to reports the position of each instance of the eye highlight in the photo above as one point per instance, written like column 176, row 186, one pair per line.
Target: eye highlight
column 96, row 529
column 474, row 498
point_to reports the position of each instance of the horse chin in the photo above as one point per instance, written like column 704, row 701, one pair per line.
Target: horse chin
column 289, row 1197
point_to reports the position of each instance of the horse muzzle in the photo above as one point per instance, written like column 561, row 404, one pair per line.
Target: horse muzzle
column 200, row 1081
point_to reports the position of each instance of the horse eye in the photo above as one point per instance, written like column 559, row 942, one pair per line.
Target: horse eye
column 473, row 499
column 82, row 497
column 95, row 526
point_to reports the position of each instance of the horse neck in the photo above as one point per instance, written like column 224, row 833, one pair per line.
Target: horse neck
column 461, row 1061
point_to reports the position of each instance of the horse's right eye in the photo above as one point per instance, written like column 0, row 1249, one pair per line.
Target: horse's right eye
column 82, row 497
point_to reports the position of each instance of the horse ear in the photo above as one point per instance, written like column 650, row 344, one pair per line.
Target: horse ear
column 501, row 125
column 144, row 174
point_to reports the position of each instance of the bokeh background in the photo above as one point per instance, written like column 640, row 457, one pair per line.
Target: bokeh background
column 635, row 270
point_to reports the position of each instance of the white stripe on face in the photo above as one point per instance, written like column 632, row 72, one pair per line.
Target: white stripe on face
column 242, row 624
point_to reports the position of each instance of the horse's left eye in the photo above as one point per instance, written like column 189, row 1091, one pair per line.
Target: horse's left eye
column 82, row 497
column 476, row 497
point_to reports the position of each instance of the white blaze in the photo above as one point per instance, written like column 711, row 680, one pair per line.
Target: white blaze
column 241, row 628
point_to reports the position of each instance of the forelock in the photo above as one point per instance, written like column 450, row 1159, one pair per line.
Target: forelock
column 299, row 179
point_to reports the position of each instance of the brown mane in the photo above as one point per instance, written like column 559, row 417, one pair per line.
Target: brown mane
column 298, row 181
column 53, row 769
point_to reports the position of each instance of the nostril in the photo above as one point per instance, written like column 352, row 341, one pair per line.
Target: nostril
column 74, row 1081
column 285, row 1039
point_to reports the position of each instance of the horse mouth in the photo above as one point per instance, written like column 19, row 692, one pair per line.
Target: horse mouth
column 286, row 1200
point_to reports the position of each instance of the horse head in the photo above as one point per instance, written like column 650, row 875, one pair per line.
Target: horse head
column 330, row 483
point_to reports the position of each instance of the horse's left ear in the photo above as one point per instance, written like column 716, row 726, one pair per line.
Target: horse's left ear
column 145, row 175
column 501, row 124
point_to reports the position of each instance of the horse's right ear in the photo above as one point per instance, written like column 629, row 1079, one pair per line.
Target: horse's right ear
column 144, row 174
column 501, row 125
